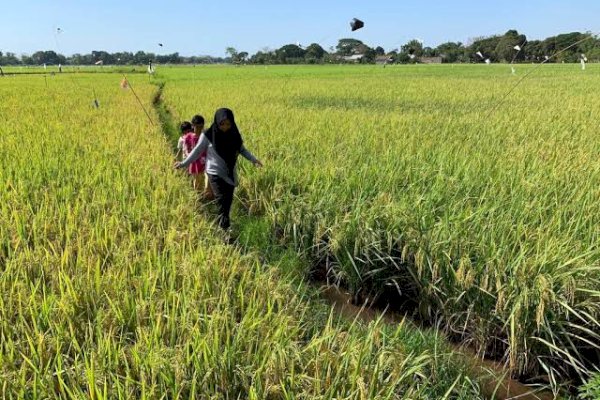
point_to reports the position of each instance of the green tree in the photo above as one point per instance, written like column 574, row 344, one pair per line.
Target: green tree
column 486, row 45
column 505, row 48
column 347, row 47
column 47, row 57
column 262, row 57
column 314, row 52
column 410, row 52
column 232, row 53
column 123, row 58
column 561, row 42
column 9, row 59
column 414, row 46
column 591, row 49
column 106, row 57
column 290, row 53
column 369, row 55
column 173, row 58
column 142, row 58
column 430, row 52
column 534, row 51
column 451, row 51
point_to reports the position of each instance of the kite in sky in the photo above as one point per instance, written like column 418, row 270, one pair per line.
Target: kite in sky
column 356, row 24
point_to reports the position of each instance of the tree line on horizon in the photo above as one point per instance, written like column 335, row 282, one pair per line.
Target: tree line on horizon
column 496, row 48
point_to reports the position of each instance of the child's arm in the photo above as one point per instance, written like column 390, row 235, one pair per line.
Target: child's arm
column 195, row 153
column 249, row 156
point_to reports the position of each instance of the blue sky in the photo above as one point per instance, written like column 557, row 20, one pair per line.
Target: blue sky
column 202, row 27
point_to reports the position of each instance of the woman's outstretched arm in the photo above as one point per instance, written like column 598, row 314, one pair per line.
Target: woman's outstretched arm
column 249, row 156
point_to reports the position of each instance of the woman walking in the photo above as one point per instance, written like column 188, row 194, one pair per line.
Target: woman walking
column 222, row 143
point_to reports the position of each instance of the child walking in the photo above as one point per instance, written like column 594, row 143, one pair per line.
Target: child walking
column 198, row 125
column 180, row 144
column 196, row 168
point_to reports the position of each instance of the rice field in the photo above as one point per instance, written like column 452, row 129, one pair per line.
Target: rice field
column 410, row 184
column 415, row 183
column 113, row 285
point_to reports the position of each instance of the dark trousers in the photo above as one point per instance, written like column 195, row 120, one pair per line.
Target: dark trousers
column 223, row 192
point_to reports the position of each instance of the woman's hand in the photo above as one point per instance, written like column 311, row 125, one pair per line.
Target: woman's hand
column 176, row 165
column 258, row 164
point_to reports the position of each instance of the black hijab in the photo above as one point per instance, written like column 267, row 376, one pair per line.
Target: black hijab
column 226, row 144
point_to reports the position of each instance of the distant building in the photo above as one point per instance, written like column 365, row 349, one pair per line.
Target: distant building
column 383, row 60
column 430, row 60
column 353, row 58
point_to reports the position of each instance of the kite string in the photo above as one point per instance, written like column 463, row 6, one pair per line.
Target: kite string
column 512, row 89
column 518, row 52
column 138, row 99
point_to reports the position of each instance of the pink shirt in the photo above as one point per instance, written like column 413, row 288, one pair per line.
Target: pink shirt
column 189, row 142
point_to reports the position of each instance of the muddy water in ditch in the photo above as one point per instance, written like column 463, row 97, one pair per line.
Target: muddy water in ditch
column 494, row 378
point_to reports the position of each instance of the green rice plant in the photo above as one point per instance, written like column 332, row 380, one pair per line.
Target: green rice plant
column 592, row 389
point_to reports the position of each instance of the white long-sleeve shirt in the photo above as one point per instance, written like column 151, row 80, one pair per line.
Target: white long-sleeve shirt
column 215, row 165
